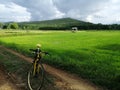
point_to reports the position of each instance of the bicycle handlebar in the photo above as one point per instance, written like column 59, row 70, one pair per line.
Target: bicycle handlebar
column 33, row 50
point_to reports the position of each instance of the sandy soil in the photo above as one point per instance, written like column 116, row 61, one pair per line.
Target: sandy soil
column 5, row 82
column 64, row 80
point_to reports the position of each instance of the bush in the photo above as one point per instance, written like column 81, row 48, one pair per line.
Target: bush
column 13, row 26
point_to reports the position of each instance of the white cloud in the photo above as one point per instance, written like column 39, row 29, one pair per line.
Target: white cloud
column 41, row 9
column 13, row 12
column 89, row 18
column 96, row 11
column 108, row 14
column 81, row 9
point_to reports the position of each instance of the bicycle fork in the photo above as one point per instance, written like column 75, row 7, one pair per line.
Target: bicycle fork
column 34, row 67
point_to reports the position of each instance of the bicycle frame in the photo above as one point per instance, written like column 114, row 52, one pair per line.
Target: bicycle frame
column 36, row 66
column 36, row 74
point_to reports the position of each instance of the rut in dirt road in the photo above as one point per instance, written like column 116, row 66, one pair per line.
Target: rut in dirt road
column 5, row 83
column 63, row 80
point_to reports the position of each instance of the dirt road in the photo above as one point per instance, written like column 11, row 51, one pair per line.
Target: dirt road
column 5, row 83
column 64, row 80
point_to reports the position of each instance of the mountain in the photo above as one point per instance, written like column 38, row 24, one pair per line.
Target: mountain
column 57, row 21
column 63, row 23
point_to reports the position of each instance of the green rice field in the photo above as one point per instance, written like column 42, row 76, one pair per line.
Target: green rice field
column 93, row 55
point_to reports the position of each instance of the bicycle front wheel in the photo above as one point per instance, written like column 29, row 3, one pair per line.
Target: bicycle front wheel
column 35, row 82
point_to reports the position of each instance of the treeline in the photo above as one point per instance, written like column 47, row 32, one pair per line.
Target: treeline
column 12, row 25
column 69, row 27
column 99, row 27
column 58, row 24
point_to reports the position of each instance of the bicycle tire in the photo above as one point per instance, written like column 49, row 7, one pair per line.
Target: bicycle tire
column 36, row 82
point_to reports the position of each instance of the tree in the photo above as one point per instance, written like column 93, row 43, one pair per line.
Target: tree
column 13, row 25
column 1, row 25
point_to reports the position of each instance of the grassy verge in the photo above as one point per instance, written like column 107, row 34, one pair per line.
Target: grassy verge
column 92, row 55
column 19, row 68
column 5, row 33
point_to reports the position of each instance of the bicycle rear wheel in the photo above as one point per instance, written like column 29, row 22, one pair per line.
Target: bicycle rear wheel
column 35, row 82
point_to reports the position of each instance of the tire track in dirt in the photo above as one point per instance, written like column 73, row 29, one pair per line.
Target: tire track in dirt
column 64, row 80
column 5, row 83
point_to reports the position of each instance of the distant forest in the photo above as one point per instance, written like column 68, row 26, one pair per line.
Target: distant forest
column 58, row 24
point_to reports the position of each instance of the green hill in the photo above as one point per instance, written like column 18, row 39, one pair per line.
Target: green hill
column 61, row 24
column 64, row 23
column 58, row 21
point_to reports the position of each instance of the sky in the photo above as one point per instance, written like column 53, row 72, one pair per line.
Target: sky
column 95, row 11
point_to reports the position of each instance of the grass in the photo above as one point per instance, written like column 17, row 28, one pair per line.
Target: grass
column 6, row 32
column 94, row 55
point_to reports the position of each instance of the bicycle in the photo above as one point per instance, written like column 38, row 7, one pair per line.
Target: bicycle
column 36, row 73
